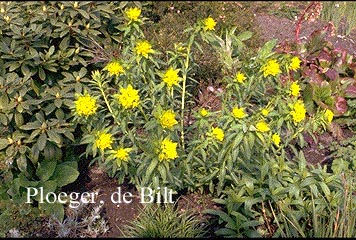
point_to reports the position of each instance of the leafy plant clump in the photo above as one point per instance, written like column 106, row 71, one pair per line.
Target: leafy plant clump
column 46, row 51
column 292, row 201
column 165, row 221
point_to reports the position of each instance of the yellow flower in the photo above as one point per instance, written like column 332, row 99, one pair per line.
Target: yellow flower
column 85, row 105
column 276, row 139
column 143, row 48
column 238, row 112
column 240, row 77
column 218, row 133
column 262, row 126
column 298, row 112
column 271, row 68
column 114, row 68
column 294, row 89
column 129, row 97
column 123, row 154
column 295, row 63
column 168, row 150
column 209, row 24
column 329, row 115
column 203, row 112
column 265, row 112
column 171, row 77
column 103, row 141
column 167, row 119
column 133, row 13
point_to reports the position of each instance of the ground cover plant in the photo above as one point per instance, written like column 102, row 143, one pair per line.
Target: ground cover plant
column 96, row 81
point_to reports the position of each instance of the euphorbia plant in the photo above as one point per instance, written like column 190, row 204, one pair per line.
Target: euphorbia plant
column 134, row 111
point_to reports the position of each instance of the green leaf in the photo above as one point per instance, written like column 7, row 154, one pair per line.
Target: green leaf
column 339, row 165
column 19, row 119
column 72, row 164
column 64, row 175
column 54, row 137
column 150, row 169
column 162, row 171
column 224, row 216
column 3, row 143
column 22, row 163
column 24, row 182
column 25, row 71
column 41, row 142
column 4, row 101
column 45, row 169
column 226, row 232
column 48, row 186
column 244, row 35
column 83, row 13
column 41, row 73
column 64, row 43
column 14, row 66
column 55, row 209
column 266, row 50
column 325, row 189
column 31, row 126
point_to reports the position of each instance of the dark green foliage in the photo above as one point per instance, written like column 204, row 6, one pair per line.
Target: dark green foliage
column 47, row 50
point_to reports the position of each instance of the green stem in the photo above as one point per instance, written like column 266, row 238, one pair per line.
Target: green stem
column 186, row 65
column 107, row 102
column 143, row 113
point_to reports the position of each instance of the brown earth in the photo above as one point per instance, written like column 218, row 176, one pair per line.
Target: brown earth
column 283, row 29
column 118, row 215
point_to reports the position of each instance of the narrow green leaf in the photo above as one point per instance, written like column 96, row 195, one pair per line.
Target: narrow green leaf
column 41, row 141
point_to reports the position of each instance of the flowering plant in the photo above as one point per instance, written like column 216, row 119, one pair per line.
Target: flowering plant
column 137, row 122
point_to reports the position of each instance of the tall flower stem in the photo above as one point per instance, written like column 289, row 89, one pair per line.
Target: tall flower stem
column 101, row 88
column 185, row 73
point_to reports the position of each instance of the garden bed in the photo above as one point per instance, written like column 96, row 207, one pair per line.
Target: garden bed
column 91, row 131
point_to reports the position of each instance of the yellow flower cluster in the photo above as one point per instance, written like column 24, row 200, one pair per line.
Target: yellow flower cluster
column 171, row 77
column 295, row 63
column 203, row 112
column 218, row 133
column 168, row 150
column 262, row 126
column 143, row 48
column 240, row 77
column 104, row 141
column 238, row 112
column 294, row 89
column 271, row 68
column 328, row 115
column 265, row 112
column 298, row 112
column 167, row 119
column 209, row 24
column 123, row 154
column 276, row 139
column 133, row 13
column 114, row 68
column 129, row 97
column 85, row 105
